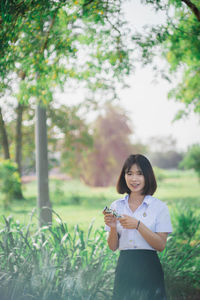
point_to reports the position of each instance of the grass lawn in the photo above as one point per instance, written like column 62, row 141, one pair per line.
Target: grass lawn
column 76, row 203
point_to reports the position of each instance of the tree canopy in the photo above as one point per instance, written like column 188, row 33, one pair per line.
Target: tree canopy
column 47, row 43
column 178, row 41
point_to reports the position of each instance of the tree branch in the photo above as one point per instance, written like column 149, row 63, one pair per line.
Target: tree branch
column 48, row 32
column 193, row 7
column 87, row 3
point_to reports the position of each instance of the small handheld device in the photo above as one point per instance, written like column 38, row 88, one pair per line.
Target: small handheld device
column 111, row 211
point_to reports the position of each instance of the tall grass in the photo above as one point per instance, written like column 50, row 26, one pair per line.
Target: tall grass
column 53, row 263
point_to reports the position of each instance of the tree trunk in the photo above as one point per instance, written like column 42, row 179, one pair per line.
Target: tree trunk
column 44, row 205
column 4, row 137
column 18, row 146
column 18, row 142
column 18, row 136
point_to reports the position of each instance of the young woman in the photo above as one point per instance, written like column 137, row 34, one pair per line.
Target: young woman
column 139, row 233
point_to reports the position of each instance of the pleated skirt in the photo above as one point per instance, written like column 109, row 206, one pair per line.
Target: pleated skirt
column 139, row 276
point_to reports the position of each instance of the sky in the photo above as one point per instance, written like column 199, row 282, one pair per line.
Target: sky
column 149, row 108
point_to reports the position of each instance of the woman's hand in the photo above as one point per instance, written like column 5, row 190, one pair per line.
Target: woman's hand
column 128, row 222
column 110, row 220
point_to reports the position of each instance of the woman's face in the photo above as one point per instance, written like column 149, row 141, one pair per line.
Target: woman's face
column 135, row 179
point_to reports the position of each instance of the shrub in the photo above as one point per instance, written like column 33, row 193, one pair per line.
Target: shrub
column 191, row 159
column 180, row 259
column 10, row 183
column 160, row 174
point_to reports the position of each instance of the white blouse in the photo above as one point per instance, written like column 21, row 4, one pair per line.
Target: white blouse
column 152, row 212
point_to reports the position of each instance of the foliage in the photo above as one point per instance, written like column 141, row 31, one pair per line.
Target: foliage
column 58, row 263
column 68, row 135
column 53, row 263
column 10, row 183
column 53, row 42
column 180, row 259
column 192, row 159
column 186, row 222
column 159, row 173
column 177, row 39
column 10, row 17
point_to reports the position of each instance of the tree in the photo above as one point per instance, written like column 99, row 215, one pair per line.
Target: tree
column 166, row 160
column 48, row 46
column 69, row 135
column 17, row 193
column 163, row 153
column 178, row 40
column 192, row 159
column 112, row 132
column 13, row 113
column 4, row 137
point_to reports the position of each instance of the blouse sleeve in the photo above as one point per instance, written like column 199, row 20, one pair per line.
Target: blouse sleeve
column 163, row 221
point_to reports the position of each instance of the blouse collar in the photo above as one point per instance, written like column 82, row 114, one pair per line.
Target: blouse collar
column 147, row 199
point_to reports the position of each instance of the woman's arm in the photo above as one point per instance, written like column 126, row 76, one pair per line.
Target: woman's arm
column 113, row 241
column 156, row 240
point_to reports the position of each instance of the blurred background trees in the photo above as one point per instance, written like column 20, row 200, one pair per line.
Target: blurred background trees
column 112, row 131
column 163, row 152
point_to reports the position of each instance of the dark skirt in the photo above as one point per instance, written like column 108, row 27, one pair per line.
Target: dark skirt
column 139, row 276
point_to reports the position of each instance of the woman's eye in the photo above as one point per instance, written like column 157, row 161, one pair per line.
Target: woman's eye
column 138, row 173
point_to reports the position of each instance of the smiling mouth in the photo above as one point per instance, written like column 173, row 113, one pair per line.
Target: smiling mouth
column 134, row 185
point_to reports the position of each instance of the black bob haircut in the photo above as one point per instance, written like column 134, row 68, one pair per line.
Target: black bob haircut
column 143, row 163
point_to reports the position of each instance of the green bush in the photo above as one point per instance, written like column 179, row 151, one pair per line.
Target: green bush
column 180, row 259
column 160, row 174
column 181, row 266
column 10, row 182
column 186, row 222
column 191, row 159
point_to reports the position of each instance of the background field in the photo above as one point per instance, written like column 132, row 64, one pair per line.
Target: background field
column 77, row 203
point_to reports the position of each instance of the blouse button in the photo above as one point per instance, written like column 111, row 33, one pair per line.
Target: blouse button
column 135, row 247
